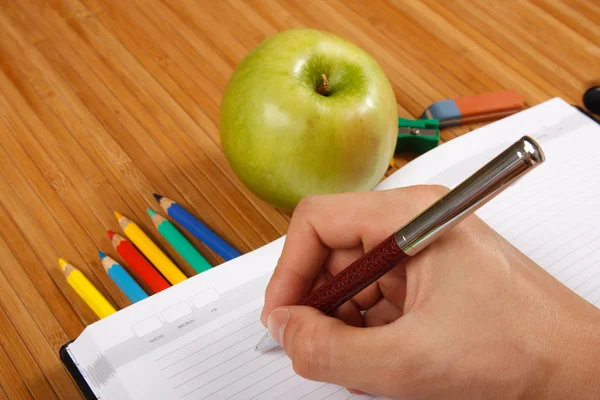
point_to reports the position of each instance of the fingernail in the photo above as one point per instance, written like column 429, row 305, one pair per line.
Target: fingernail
column 356, row 392
column 276, row 323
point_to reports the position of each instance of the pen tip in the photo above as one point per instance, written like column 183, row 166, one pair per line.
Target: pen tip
column 110, row 234
column 158, row 197
column 101, row 254
column 267, row 343
column 150, row 212
column 62, row 263
column 118, row 215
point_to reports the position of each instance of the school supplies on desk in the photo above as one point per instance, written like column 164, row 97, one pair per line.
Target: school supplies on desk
column 122, row 279
column 417, row 136
column 469, row 109
column 197, row 228
column 179, row 242
column 86, row 290
column 167, row 345
column 138, row 263
column 156, row 256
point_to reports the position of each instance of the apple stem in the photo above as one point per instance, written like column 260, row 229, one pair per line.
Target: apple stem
column 321, row 89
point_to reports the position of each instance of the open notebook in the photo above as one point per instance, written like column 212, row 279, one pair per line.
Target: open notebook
column 196, row 340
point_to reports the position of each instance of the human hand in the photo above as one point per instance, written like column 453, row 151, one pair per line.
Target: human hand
column 468, row 317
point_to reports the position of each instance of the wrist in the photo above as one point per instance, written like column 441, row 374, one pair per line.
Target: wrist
column 572, row 367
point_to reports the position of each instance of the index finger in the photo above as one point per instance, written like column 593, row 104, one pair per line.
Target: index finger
column 340, row 221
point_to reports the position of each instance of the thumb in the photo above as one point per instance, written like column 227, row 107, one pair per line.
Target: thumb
column 325, row 349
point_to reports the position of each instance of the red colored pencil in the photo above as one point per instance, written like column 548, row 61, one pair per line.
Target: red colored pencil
column 138, row 263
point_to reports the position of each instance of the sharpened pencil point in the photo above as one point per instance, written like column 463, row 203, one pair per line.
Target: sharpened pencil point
column 158, row 197
column 110, row 234
column 62, row 263
column 150, row 212
column 118, row 215
column 101, row 254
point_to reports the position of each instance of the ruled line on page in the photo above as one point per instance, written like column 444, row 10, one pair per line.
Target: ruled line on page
column 290, row 389
column 260, row 381
column 207, row 334
column 282, row 383
column 220, row 389
column 252, row 334
column 334, row 393
column 587, row 268
column 545, row 184
column 580, row 255
column 241, row 377
column 323, row 392
column 557, row 225
column 572, row 247
column 548, row 202
column 227, row 372
column 255, row 337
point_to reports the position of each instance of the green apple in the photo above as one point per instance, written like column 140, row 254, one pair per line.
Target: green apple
column 307, row 112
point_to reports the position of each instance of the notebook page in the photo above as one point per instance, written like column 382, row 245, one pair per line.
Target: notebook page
column 213, row 360
column 196, row 340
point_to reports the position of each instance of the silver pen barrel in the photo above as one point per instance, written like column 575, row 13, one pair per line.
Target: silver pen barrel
column 470, row 195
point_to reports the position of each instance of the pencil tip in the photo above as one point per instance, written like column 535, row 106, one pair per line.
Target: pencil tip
column 101, row 254
column 118, row 215
column 62, row 263
column 150, row 212
column 110, row 234
column 158, row 197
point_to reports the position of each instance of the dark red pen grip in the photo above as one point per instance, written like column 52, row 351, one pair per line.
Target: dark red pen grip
column 360, row 274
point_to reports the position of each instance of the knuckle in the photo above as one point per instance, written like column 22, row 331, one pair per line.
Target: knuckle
column 425, row 195
column 305, row 205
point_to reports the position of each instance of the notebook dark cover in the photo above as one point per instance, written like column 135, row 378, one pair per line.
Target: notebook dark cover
column 74, row 371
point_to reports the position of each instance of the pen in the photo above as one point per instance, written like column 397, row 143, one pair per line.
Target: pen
column 470, row 195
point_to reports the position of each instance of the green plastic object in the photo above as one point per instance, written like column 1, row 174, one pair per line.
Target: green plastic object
column 417, row 136
column 182, row 245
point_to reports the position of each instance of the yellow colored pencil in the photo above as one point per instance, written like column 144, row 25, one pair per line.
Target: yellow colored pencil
column 156, row 256
column 86, row 290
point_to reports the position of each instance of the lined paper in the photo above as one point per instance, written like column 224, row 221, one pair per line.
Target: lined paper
column 224, row 365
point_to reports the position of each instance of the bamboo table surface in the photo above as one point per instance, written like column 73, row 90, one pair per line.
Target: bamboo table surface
column 103, row 102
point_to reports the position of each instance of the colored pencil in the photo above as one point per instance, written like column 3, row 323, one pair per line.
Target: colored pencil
column 138, row 263
column 179, row 242
column 86, row 290
column 122, row 279
column 197, row 228
column 156, row 256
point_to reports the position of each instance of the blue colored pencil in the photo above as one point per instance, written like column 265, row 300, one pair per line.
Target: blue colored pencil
column 122, row 279
column 197, row 228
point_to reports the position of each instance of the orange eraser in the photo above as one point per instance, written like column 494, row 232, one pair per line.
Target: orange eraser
column 476, row 108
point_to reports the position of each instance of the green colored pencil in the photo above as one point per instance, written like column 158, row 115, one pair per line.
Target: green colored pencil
column 179, row 242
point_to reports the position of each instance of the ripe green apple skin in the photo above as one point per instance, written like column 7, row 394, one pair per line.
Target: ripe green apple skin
column 285, row 140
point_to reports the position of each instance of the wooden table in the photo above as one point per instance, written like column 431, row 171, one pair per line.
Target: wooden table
column 103, row 102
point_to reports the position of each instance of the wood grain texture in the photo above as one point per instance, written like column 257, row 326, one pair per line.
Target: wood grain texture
column 103, row 102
